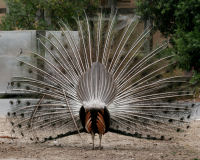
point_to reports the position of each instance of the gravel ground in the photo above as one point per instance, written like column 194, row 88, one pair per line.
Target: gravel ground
column 114, row 147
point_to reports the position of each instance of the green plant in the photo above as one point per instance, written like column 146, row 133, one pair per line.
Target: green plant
column 44, row 15
column 180, row 21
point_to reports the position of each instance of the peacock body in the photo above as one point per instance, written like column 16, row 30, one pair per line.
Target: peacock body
column 105, row 80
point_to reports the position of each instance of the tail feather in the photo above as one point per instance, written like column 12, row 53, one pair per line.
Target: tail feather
column 49, row 121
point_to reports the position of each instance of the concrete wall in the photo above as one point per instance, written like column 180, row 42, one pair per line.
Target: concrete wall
column 11, row 42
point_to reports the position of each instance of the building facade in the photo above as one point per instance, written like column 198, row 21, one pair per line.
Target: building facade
column 118, row 3
column 2, row 9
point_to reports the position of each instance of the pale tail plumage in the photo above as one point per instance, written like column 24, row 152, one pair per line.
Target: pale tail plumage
column 106, row 67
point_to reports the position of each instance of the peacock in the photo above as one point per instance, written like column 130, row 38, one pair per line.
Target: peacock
column 103, row 78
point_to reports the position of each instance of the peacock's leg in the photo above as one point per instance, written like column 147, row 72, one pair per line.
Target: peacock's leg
column 100, row 137
column 92, row 140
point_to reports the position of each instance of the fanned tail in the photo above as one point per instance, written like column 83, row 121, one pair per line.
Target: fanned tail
column 106, row 63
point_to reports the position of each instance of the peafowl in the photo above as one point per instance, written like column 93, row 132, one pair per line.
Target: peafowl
column 101, row 79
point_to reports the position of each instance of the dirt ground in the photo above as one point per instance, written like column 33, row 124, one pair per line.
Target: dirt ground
column 115, row 147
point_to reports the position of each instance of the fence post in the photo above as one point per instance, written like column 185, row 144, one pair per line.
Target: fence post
column 40, row 50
